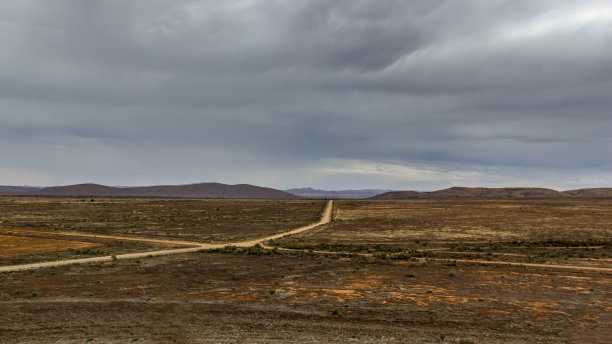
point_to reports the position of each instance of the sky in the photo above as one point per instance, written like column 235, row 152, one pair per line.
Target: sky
column 343, row 94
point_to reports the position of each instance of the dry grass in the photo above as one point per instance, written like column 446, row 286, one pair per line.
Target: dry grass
column 22, row 247
column 11, row 246
column 227, row 297
column 196, row 220
column 466, row 221
column 259, row 295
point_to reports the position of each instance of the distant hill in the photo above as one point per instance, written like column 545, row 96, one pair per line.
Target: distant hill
column 82, row 190
column 4, row 188
column 203, row 190
column 218, row 190
column 341, row 194
column 593, row 192
column 496, row 193
column 212, row 190
column 398, row 195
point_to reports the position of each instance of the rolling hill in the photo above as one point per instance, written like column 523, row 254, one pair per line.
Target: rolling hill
column 211, row 190
column 202, row 190
column 340, row 194
column 496, row 193
column 218, row 190
column 6, row 188
column 590, row 193
column 81, row 190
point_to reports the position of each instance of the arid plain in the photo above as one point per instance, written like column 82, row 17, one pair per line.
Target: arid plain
column 411, row 271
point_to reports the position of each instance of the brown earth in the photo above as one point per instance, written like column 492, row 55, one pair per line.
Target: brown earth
column 183, row 246
column 26, row 247
column 11, row 246
column 465, row 221
column 199, row 220
column 398, row 292
column 573, row 234
column 207, row 298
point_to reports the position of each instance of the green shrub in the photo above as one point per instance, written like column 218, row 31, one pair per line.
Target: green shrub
column 466, row 341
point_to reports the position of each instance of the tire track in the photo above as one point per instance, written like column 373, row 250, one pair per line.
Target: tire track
column 196, row 246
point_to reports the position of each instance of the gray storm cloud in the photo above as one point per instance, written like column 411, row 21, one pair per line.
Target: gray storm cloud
column 330, row 94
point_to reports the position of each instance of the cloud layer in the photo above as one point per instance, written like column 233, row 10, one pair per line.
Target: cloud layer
column 330, row 94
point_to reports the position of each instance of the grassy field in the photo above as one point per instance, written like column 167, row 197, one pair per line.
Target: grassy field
column 466, row 221
column 382, row 272
column 541, row 231
column 195, row 220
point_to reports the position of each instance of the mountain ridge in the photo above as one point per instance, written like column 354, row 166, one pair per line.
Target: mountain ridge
column 496, row 193
column 338, row 194
column 8, row 188
column 199, row 190
column 219, row 190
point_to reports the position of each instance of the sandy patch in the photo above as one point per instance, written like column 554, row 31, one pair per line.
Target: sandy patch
column 11, row 246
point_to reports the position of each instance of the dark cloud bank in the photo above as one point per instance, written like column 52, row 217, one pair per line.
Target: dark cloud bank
column 330, row 94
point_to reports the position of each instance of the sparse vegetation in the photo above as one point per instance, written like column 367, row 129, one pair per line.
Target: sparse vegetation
column 348, row 290
column 466, row 341
column 182, row 219
column 454, row 221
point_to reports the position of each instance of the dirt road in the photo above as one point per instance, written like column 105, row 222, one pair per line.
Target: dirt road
column 102, row 236
column 195, row 246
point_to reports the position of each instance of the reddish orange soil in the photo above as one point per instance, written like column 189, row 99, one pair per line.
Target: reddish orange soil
column 11, row 246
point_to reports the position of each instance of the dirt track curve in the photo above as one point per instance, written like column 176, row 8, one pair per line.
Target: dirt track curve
column 194, row 246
